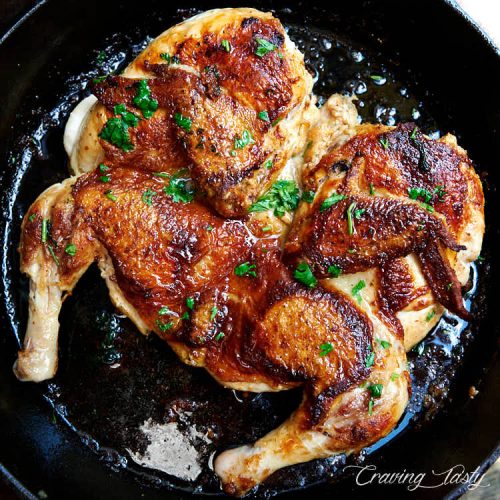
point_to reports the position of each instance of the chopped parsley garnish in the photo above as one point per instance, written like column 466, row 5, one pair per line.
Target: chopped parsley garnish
column 109, row 194
column 246, row 269
column 190, row 303
column 330, row 201
column 421, row 227
column 282, row 197
column 170, row 59
column 213, row 313
column 32, row 217
column 275, row 122
column 53, row 254
column 357, row 288
column 70, row 249
column 427, row 207
column 164, row 326
column 394, row 376
column 185, row 315
column 180, row 188
column 440, row 192
column 370, row 359
column 334, row 271
column 350, row 222
column 45, row 230
column 480, row 258
column 245, row 139
column 103, row 168
column 147, row 196
column 375, row 390
column 164, row 310
column 99, row 79
column 384, row 142
column 413, row 134
column 129, row 118
column 105, row 178
column 359, row 212
column 304, row 275
column 377, row 78
column 268, row 164
column 182, row 122
column 325, row 349
column 264, row 47
column 370, row 406
column 418, row 192
column 264, row 116
column 115, row 131
column 372, row 189
column 144, row 101
column 430, row 315
column 449, row 286
column 383, row 343
column 308, row 196
column 209, row 228
column 226, row 45
column 266, row 229
column 219, row 336
column 164, row 175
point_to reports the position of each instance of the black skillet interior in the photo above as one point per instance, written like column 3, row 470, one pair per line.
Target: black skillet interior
column 70, row 435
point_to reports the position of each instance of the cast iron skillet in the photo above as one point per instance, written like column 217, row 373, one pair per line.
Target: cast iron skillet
column 442, row 72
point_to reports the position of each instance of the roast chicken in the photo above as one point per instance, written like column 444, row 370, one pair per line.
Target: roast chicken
column 270, row 242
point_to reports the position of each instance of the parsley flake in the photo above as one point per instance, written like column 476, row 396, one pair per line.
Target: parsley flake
column 180, row 188
column 383, row 343
column 226, row 45
column 330, row 201
column 144, row 101
column 308, row 196
column 304, row 275
column 264, row 47
column 147, row 196
column 183, row 122
column 282, row 197
column 334, row 271
column 164, row 326
column 213, row 313
column 430, row 315
column 245, row 269
column 264, row 116
column 384, row 142
column 219, row 336
column 375, row 390
column 325, row 349
column 70, row 249
column 350, row 222
column 356, row 289
column 190, row 303
column 115, row 131
column 109, row 194
column 245, row 139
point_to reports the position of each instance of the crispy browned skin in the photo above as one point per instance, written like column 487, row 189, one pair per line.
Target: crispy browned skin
column 383, row 229
column 387, row 224
column 221, row 95
column 163, row 252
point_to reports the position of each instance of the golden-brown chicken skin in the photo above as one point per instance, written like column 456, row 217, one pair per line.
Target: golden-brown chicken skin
column 231, row 91
column 384, row 194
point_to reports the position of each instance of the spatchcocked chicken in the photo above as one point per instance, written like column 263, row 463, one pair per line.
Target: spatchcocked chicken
column 270, row 242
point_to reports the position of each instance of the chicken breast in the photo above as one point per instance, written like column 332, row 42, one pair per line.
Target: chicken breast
column 233, row 104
